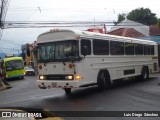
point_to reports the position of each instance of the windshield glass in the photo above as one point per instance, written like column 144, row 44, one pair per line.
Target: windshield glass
column 58, row 51
column 14, row 65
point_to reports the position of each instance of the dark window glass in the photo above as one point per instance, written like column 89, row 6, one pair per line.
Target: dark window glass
column 129, row 48
column 86, row 43
column 152, row 49
column 145, row 50
column 138, row 49
column 116, row 48
column 14, row 65
column 100, row 47
column 58, row 51
column 148, row 49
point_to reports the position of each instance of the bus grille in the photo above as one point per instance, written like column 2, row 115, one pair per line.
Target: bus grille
column 56, row 77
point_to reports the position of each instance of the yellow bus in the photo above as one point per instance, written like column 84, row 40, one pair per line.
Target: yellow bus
column 13, row 67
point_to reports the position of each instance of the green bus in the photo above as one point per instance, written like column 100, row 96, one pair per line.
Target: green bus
column 12, row 67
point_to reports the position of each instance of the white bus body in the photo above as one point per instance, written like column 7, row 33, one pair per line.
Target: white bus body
column 70, row 59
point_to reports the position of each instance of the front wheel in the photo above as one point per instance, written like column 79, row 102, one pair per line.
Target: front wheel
column 144, row 74
column 67, row 91
column 103, row 81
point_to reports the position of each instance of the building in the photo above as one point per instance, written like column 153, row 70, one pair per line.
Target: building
column 34, row 53
column 130, row 28
column 26, row 53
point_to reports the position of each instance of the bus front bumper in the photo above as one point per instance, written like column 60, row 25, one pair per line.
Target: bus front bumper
column 43, row 84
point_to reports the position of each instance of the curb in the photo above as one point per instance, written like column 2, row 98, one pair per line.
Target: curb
column 4, row 86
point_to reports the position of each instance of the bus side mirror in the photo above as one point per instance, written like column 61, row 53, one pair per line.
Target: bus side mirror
column 84, row 50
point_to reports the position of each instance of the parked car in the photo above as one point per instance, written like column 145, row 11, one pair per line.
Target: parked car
column 29, row 71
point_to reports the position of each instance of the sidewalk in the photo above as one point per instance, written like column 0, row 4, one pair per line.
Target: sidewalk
column 4, row 85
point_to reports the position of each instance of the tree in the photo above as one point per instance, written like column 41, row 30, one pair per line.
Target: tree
column 121, row 17
column 142, row 15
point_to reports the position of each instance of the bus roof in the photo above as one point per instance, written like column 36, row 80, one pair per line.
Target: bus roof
column 12, row 58
column 68, row 34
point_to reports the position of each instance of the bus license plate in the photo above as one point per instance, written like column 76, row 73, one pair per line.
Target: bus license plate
column 54, row 84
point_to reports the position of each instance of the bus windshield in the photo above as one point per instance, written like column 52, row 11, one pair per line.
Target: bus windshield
column 14, row 65
column 58, row 51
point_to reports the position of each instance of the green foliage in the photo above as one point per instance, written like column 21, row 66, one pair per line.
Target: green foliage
column 121, row 17
column 142, row 15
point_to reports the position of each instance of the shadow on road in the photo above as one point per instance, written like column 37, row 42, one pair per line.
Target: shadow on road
column 88, row 92
column 120, row 84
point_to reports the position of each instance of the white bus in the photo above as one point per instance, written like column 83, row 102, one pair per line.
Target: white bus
column 71, row 58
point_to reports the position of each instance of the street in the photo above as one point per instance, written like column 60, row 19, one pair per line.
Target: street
column 128, row 95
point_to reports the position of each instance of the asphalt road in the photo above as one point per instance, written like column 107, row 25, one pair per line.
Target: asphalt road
column 129, row 95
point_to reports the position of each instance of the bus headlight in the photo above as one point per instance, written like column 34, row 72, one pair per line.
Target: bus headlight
column 42, row 77
column 69, row 77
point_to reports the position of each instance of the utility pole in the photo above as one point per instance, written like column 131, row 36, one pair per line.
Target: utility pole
column 3, row 11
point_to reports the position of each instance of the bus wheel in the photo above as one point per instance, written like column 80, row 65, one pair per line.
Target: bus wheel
column 103, row 81
column 144, row 74
column 67, row 91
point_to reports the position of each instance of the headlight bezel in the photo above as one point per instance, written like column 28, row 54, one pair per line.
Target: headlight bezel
column 69, row 77
column 42, row 77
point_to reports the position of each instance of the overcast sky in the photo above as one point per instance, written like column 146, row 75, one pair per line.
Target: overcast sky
column 63, row 10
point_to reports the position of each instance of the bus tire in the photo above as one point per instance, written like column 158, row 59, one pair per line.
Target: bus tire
column 67, row 91
column 144, row 74
column 103, row 81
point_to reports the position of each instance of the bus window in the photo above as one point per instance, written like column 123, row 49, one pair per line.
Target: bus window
column 86, row 43
column 148, row 50
column 117, row 48
column 14, row 65
column 138, row 49
column 100, row 47
column 152, row 49
column 145, row 49
column 129, row 48
column 59, row 52
column 45, row 52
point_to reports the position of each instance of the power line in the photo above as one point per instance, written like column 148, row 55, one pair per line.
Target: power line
column 55, row 10
column 10, row 42
column 10, row 48
column 59, row 24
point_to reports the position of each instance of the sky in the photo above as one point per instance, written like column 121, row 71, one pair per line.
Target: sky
column 63, row 10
